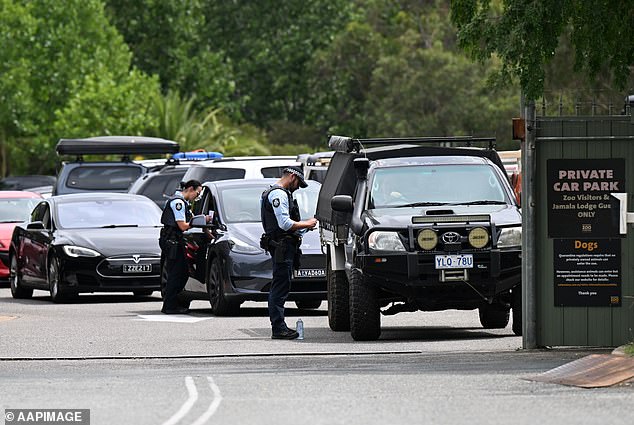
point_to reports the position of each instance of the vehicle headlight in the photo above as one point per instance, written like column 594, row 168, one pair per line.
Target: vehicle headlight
column 478, row 237
column 510, row 237
column 385, row 241
column 79, row 251
column 427, row 239
column 241, row 247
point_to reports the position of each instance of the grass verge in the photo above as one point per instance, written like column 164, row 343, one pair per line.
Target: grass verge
column 629, row 349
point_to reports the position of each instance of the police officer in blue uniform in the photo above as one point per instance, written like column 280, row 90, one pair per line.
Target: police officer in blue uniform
column 283, row 228
column 175, row 218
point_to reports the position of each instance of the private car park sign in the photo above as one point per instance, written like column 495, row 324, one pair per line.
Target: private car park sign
column 583, row 217
column 580, row 197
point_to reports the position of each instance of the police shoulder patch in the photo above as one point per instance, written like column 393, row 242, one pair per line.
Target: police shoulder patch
column 179, row 206
column 276, row 202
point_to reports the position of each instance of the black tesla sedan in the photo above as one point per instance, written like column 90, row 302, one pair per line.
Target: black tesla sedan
column 232, row 268
column 88, row 242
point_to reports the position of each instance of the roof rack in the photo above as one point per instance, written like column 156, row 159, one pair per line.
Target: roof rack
column 116, row 145
column 349, row 144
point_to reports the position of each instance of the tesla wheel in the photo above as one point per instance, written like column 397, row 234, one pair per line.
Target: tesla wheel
column 365, row 313
column 308, row 304
column 517, row 310
column 494, row 316
column 338, row 299
column 142, row 292
column 17, row 290
column 215, row 284
column 58, row 294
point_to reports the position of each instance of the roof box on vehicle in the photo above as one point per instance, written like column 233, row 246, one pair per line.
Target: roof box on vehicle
column 116, row 145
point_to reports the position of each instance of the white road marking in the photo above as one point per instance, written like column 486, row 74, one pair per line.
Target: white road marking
column 189, row 403
column 174, row 318
column 215, row 403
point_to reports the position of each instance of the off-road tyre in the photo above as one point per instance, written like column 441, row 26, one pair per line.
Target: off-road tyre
column 365, row 312
column 516, row 306
column 17, row 290
column 494, row 316
column 215, row 284
column 338, row 299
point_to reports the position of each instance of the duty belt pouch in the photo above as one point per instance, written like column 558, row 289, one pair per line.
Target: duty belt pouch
column 172, row 249
column 265, row 242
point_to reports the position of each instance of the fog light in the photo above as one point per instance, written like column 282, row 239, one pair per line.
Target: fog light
column 478, row 237
column 427, row 239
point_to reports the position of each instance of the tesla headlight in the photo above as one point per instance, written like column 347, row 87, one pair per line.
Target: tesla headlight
column 385, row 241
column 241, row 247
column 478, row 237
column 80, row 251
column 510, row 237
column 427, row 239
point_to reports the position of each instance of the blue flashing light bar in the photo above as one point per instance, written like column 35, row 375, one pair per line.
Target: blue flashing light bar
column 197, row 155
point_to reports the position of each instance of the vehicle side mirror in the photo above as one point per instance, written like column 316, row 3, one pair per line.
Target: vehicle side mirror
column 361, row 166
column 36, row 225
column 200, row 221
column 342, row 203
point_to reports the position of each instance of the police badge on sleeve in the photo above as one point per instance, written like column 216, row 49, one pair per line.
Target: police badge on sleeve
column 276, row 202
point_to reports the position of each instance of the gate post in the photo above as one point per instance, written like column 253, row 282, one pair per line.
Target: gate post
column 529, row 287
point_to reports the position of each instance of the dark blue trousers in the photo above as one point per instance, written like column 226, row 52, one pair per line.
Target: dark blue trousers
column 177, row 276
column 280, row 286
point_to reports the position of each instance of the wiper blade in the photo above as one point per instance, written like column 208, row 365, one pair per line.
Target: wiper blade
column 481, row 203
column 421, row 204
column 11, row 221
column 112, row 226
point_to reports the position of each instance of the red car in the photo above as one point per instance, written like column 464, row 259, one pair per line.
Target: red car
column 15, row 207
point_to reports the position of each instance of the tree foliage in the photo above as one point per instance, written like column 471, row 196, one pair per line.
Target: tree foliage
column 65, row 69
column 526, row 34
column 396, row 71
column 168, row 39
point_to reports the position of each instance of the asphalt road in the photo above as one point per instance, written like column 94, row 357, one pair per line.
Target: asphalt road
column 118, row 356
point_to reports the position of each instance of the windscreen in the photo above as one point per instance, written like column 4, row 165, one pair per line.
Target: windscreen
column 16, row 210
column 242, row 204
column 115, row 177
column 442, row 184
column 108, row 213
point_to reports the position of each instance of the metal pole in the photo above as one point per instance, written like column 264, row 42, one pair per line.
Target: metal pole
column 529, row 287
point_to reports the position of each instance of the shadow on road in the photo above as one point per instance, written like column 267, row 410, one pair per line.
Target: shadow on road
column 87, row 299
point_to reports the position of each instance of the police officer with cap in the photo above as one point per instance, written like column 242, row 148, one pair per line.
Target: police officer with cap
column 175, row 218
column 283, row 228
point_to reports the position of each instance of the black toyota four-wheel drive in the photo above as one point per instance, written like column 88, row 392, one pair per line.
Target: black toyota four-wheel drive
column 409, row 226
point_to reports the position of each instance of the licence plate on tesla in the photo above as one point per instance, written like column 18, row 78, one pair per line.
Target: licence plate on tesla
column 461, row 261
column 310, row 273
column 137, row 268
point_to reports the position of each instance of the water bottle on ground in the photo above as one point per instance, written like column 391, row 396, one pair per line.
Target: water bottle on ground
column 300, row 329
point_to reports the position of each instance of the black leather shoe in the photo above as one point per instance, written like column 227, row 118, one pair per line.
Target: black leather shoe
column 180, row 310
column 285, row 334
